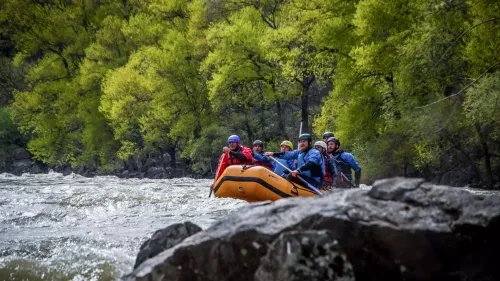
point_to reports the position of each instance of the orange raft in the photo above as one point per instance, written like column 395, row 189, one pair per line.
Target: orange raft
column 256, row 183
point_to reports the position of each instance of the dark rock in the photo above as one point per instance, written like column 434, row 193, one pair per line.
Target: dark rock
column 402, row 229
column 151, row 163
column 156, row 173
column 67, row 171
column 19, row 154
column 165, row 238
column 496, row 186
column 456, row 177
column 137, row 175
column 22, row 163
column 305, row 255
column 84, row 171
column 39, row 168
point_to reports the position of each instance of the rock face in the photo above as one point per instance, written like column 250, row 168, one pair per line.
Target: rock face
column 305, row 255
column 401, row 229
column 165, row 238
column 19, row 161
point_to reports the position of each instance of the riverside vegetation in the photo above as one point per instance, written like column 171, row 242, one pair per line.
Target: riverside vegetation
column 412, row 88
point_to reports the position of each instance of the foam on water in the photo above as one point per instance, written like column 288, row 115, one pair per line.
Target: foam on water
column 55, row 227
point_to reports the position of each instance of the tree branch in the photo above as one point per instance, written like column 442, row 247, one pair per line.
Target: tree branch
column 460, row 36
column 461, row 91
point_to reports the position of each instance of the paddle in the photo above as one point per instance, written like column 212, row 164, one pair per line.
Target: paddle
column 310, row 186
column 219, row 164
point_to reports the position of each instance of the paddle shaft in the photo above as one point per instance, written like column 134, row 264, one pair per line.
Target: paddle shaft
column 299, row 177
column 300, row 133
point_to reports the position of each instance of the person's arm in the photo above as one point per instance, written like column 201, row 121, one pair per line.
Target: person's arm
column 355, row 166
column 262, row 158
column 238, row 155
column 315, row 159
column 258, row 157
column 357, row 177
column 288, row 155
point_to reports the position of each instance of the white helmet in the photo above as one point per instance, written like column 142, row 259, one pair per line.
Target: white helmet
column 322, row 144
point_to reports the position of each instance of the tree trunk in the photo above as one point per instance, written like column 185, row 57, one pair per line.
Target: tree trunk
column 305, row 111
column 281, row 122
column 467, row 156
column 248, row 128
column 171, row 152
column 487, row 164
column 262, row 122
column 162, row 159
column 487, row 157
column 306, row 83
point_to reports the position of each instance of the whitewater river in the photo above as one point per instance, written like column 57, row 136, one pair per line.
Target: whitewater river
column 55, row 227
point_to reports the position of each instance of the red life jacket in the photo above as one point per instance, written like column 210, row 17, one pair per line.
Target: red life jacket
column 235, row 161
column 221, row 166
column 227, row 160
column 328, row 174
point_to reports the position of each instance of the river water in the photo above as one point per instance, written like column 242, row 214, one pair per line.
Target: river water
column 55, row 227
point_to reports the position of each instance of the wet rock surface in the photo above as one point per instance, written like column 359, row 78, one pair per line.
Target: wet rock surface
column 305, row 255
column 401, row 229
column 165, row 238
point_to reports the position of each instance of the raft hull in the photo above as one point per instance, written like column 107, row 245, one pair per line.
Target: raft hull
column 256, row 183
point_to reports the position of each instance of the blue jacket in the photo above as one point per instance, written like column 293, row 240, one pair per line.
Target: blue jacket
column 345, row 161
column 310, row 163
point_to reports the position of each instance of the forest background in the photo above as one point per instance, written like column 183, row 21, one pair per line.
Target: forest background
column 411, row 88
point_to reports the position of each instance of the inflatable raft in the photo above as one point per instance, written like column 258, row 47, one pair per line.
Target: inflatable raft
column 256, row 183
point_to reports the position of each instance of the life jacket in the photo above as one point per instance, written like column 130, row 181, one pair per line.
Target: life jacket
column 235, row 161
column 345, row 168
column 328, row 174
column 227, row 160
column 316, row 171
column 221, row 166
column 279, row 170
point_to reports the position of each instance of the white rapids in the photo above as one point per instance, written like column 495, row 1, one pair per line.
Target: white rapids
column 55, row 227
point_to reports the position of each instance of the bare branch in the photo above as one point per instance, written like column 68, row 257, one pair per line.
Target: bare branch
column 462, row 35
column 461, row 91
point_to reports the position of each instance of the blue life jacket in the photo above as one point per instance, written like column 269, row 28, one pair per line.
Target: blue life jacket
column 345, row 162
column 279, row 170
column 313, row 155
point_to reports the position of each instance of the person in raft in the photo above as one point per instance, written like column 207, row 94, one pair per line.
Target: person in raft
column 327, row 135
column 290, row 164
column 309, row 161
column 233, row 154
column 258, row 155
column 345, row 163
column 330, row 166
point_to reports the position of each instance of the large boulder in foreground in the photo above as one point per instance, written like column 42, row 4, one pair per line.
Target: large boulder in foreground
column 401, row 229
column 164, row 239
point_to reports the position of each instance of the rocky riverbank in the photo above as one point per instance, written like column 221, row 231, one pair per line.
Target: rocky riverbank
column 19, row 161
column 400, row 229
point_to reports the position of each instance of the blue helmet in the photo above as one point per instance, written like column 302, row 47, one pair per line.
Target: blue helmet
column 233, row 138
